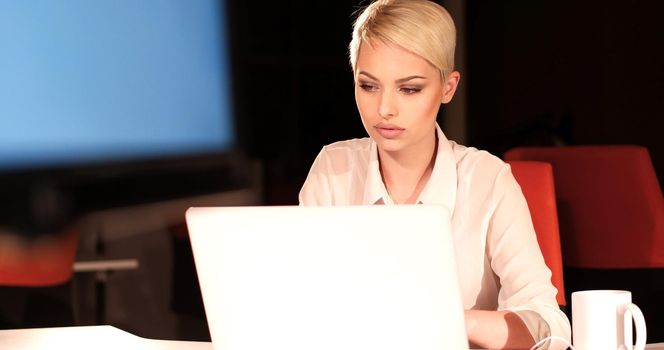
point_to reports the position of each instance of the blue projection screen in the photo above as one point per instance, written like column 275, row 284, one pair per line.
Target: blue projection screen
column 89, row 81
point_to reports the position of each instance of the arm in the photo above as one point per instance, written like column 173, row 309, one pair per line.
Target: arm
column 497, row 330
column 526, row 290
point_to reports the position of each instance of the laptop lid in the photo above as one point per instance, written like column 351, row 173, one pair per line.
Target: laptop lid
column 355, row 277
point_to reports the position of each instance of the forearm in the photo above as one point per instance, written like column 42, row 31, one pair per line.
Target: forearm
column 497, row 330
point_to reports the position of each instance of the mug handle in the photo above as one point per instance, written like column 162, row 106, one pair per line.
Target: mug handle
column 639, row 323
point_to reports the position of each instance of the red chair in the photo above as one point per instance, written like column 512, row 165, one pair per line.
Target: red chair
column 38, row 262
column 536, row 181
column 610, row 205
column 49, row 261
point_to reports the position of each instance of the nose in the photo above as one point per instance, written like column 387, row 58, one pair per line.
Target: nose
column 387, row 108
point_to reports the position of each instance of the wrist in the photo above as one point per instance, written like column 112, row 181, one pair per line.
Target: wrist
column 471, row 322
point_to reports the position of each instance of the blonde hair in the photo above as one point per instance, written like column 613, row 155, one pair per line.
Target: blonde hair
column 420, row 26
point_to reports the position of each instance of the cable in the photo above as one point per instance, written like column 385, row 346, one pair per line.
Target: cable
column 552, row 337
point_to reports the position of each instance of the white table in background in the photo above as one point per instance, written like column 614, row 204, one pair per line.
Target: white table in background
column 88, row 337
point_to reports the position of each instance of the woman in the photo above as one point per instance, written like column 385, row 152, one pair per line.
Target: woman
column 402, row 56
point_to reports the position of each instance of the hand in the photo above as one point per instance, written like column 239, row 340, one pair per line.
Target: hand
column 497, row 330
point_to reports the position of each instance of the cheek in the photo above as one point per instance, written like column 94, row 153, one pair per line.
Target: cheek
column 363, row 107
column 426, row 107
column 364, row 104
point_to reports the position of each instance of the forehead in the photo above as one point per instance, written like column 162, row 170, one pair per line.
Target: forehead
column 388, row 60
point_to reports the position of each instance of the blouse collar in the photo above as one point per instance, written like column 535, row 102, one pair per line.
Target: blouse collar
column 440, row 189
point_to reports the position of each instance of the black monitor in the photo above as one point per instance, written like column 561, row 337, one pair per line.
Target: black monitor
column 111, row 103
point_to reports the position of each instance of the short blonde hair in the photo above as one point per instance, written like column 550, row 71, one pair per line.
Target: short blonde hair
column 420, row 26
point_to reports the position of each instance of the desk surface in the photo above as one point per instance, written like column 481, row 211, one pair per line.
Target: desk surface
column 88, row 337
column 105, row 337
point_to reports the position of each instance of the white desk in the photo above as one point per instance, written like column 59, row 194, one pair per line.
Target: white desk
column 88, row 337
column 105, row 337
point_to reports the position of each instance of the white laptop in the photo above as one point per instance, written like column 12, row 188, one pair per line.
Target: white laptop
column 314, row 278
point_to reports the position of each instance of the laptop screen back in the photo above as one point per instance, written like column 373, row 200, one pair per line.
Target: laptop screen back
column 360, row 277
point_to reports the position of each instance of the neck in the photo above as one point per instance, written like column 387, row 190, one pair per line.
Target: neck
column 405, row 173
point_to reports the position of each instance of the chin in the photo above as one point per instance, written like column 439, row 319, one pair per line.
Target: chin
column 388, row 145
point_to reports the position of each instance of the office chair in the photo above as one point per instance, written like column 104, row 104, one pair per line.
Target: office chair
column 610, row 204
column 34, row 279
column 50, row 261
column 536, row 181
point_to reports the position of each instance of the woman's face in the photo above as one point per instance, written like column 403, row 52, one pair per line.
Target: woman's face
column 398, row 94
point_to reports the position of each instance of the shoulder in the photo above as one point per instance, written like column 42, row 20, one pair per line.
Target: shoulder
column 333, row 177
column 481, row 175
column 345, row 153
column 470, row 160
column 352, row 146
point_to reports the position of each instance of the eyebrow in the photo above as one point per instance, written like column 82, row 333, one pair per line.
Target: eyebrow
column 401, row 80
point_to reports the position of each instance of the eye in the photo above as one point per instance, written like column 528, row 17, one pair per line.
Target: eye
column 409, row 90
column 369, row 87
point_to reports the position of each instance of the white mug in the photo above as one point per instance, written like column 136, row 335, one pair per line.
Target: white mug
column 602, row 320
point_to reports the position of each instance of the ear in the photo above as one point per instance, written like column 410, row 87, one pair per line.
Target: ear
column 450, row 86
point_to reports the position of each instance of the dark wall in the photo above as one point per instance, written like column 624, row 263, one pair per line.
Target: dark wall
column 538, row 73
column 574, row 72
column 294, row 85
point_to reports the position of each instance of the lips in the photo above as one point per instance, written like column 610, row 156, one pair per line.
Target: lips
column 389, row 131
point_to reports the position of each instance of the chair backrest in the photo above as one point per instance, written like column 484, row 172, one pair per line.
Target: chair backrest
column 536, row 181
column 610, row 204
column 42, row 261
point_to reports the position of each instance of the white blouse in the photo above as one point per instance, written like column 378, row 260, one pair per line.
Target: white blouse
column 500, row 264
